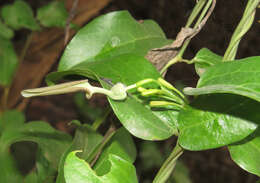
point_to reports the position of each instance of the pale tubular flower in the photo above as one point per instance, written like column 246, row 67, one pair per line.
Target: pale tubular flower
column 117, row 92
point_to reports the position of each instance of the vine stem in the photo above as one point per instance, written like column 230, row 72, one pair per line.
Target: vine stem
column 242, row 28
column 205, row 14
column 96, row 153
column 168, row 166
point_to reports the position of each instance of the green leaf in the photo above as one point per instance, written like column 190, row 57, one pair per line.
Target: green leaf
column 52, row 142
column 86, row 140
column 241, row 77
column 9, row 171
column 8, row 61
column 111, row 35
column 136, row 117
column 5, row 31
column 201, row 130
column 53, row 14
column 247, row 152
column 205, row 59
column 121, row 145
column 77, row 170
column 19, row 15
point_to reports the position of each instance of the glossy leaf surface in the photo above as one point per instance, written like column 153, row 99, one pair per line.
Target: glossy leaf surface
column 5, row 31
column 201, row 130
column 121, row 145
column 235, row 106
column 120, row 170
column 8, row 61
column 111, row 35
column 136, row 117
column 19, row 15
column 247, row 152
column 241, row 77
column 204, row 59
column 53, row 14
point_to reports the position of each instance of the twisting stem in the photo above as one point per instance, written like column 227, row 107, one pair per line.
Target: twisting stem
column 96, row 153
column 195, row 12
column 169, row 165
column 198, row 26
column 242, row 28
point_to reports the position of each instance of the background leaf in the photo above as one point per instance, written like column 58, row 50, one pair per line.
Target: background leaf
column 241, row 77
column 52, row 142
column 120, row 170
column 5, row 31
column 204, row 59
column 19, row 15
column 53, row 14
column 111, row 35
column 8, row 61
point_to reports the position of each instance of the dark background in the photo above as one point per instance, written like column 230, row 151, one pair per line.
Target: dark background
column 213, row 166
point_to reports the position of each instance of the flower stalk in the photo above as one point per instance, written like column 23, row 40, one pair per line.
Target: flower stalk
column 117, row 92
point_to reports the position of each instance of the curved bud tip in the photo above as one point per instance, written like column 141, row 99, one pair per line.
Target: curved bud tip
column 29, row 93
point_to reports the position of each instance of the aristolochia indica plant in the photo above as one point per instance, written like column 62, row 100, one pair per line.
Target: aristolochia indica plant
column 111, row 50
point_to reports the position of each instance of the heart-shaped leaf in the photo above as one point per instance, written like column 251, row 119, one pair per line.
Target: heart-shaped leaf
column 19, row 15
column 52, row 142
column 111, row 35
column 77, row 170
column 241, row 77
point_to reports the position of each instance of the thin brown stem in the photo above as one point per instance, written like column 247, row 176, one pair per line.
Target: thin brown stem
column 109, row 134
column 72, row 13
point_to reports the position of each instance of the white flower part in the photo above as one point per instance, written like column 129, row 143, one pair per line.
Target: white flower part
column 117, row 92
column 63, row 88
